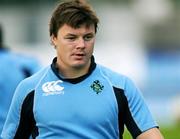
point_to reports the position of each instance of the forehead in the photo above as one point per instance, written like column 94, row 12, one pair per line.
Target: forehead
column 65, row 29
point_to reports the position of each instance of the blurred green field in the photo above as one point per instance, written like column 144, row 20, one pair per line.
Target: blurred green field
column 171, row 132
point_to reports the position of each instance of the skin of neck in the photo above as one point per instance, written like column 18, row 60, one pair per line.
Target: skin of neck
column 73, row 72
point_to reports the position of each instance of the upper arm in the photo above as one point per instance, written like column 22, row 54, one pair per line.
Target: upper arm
column 19, row 115
column 138, row 117
column 26, row 122
column 152, row 133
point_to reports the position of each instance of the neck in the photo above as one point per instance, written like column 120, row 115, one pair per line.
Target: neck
column 73, row 72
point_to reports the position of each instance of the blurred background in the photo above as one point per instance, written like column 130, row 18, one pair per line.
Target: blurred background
column 139, row 38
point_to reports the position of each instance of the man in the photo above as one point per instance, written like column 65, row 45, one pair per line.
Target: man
column 13, row 69
column 75, row 98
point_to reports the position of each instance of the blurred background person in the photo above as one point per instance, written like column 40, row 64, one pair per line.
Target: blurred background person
column 13, row 68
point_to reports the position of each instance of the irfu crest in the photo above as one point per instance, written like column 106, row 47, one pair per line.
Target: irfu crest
column 97, row 86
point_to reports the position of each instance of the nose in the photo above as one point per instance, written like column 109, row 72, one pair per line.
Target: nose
column 81, row 43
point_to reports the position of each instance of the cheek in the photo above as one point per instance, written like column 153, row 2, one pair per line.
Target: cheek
column 90, row 46
column 64, row 50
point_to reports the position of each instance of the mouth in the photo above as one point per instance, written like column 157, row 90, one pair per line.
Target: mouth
column 79, row 55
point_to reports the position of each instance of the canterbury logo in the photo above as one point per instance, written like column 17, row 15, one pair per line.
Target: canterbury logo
column 52, row 88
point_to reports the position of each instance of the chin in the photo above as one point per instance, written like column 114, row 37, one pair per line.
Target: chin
column 79, row 65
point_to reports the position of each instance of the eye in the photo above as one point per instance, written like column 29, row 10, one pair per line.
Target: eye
column 70, row 38
column 88, row 37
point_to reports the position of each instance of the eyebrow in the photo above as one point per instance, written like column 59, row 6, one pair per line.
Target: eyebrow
column 70, row 34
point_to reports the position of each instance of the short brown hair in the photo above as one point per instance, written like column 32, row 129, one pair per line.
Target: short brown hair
column 73, row 13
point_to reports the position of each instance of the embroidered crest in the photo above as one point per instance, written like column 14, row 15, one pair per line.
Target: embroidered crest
column 97, row 86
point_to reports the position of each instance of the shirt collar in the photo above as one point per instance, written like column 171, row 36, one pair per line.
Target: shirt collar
column 73, row 80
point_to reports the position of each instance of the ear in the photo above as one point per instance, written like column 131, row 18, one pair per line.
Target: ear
column 53, row 40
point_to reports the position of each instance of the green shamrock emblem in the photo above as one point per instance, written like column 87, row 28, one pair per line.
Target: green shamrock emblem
column 97, row 86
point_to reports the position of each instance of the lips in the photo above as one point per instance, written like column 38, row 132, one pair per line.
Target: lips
column 79, row 55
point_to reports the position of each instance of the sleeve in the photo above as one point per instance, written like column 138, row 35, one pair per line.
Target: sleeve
column 19, row 121
column 27, row 64
column 30, row 66
column 138, row 118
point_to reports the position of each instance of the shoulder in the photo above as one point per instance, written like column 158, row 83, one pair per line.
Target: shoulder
column 25, row 60
column 27, row 64
column 20, row 60
column 117, row 79
column 29, row 84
